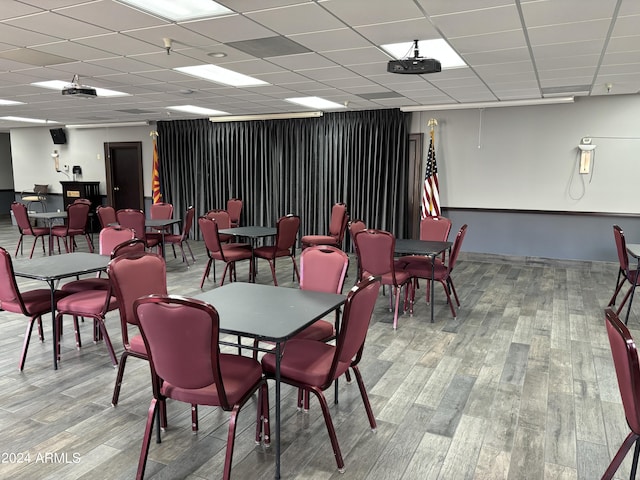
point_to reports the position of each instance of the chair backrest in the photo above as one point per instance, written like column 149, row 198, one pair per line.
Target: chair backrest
column 188, row 222
column 41, row 190
column 323, row 268
column 222, row 218
column 435, row 228
column 181, row 337
column 287, row 232
column 375, row 251
column 134, row 275
column 77, row 215
column 161, row 211
column 134, row 245
column 21, row 217
column 234, row 207
column 356, row 316
column 9, row 293
column 106, row 215
column 209, row 230
column 82, row 200
column 621, row 245
column 338, row 221
column 355, row 226
column 110, row 237
column 455, row 249
column 133, row 219
column 625, row 360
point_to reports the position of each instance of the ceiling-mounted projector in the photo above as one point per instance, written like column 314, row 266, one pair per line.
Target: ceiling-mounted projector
column 75, row 89
column 415, row 65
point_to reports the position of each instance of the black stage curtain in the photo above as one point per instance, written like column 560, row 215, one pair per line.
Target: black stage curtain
column 301, row 166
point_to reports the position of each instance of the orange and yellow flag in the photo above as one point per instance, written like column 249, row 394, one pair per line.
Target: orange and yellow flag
column 155, row 179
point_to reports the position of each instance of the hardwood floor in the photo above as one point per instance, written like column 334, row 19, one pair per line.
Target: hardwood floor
column 520, row 386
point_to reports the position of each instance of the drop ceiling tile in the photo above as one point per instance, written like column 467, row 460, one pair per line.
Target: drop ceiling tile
column 397, row 32
column 498, row 56
column 451, row 6
column 571, row 32
column 231, row 28
column 476, row 22
column 56, row 25
column 111, row 15
column 538, row 14
column 367, row 12
column 117, row 44
column 304, row 61
column 310, row 17
column 488, row 42
column 330, row 40
column 357, row 56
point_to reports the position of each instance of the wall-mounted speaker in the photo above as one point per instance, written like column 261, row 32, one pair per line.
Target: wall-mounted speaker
column 58, row 136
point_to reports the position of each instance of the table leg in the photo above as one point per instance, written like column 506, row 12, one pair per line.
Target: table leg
column 278, row 355
column 52, row 286
column 633, row 291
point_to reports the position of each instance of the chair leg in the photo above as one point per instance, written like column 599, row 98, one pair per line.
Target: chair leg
column 35, row 240
column 365, row 397
column 231, row 437
column 146, row 440
column 330, row 428
column 272, row 265
column 25, row 345
column 107, row 341
column 206, row 272
column 18, row 246
column 396, row 294
column 89, row 243
column 617, row 289
column 190, row 251
column 118, row 385
column 263, row 431
column 446, row 291
column 295, row 269
column 194, row 417
column 620, row 454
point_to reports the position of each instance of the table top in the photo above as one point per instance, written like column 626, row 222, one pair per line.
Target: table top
column 48, row 215
column 633, row 249
column 161, row 222
column 267, row 312
column 249, row 231
column 56, row 267
column 420, row 247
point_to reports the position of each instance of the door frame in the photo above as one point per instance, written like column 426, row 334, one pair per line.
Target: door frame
column 108, row 148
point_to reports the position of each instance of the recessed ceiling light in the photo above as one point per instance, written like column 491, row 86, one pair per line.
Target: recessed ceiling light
column 179, row 11
column 221, row 75
column 217, row 54
column 59, row 85
column 315, row 102
column 196, row 110
column 436, row 48
column 27, row 120
column 10, row 102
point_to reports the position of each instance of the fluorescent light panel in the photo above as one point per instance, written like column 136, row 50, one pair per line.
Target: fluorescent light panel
column 216, row 74
column 197, row 110
column 27, row 120
column 436, row 48
column 505, row 103
column 267, row 116
column 10, row 102
column 179, row 10
column 107, row 125
column 315, row 102
column 59, row 85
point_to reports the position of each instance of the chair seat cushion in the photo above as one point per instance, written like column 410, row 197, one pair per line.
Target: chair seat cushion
column 88, row 302
column 36, row 302
column 172, row 238
column 424, row 270
column 235, row 251
column 320, row 331
column 319, row 240
column 136, row 345
column 62, row 231
column 271, row 251
column 37, row 231
column 402, row 276
column 303, row 361
column 238, row 375
column 85, row 284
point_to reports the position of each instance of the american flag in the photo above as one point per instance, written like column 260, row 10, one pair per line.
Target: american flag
column 155, row 176
column 430, row 197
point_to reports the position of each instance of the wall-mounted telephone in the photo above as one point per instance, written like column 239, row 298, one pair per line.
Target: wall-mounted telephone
column 586, row 154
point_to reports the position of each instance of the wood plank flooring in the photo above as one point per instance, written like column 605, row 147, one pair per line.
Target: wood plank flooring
column 520, row 386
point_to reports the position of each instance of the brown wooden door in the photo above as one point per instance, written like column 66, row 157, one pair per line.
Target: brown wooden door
column 124, row 175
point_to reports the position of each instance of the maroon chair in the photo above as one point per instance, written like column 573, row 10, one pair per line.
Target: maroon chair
column 375, row 250
column 21, row 217
column 223, row 219
column 181, row 336
column 313, row 366
column 625, row 274
column 234, row 207
column 434, row 229
column 625, row 360
column 356, row 226
column 32, row 303
column 160, row 211
column 441, row 272
column 337, row 226
column 285, row 245
column 76, row 224
column 106, row 215
column 183, row 238
column 229, row 254
column 135, row 220
column 133, row 275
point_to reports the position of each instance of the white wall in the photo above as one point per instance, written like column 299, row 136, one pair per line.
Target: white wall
column 32, row 147
column 527, row 157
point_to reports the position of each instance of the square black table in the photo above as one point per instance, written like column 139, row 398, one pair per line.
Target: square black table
column 253, row 233
column 49, row 218
column 161, row 224
column 429, row 248
column 269, row 313
column 53, row 268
